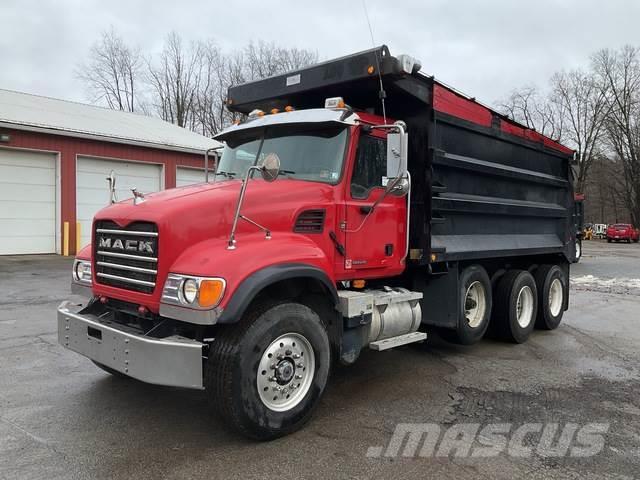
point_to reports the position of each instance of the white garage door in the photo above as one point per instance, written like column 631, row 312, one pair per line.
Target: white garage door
column 27, row 202
column 189, row 176
column 92, row 187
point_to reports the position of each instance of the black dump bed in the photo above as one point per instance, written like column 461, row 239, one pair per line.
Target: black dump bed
column 483, row 185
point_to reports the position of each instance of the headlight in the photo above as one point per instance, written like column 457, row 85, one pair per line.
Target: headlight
column 190, row 290
column 82, row 271
column 194, row 292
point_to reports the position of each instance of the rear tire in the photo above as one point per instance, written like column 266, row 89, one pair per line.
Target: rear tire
column 552, row 295
column 474, row 310
column 608, row 240
column 516, row 305
column 266, row 374
column 578, row 251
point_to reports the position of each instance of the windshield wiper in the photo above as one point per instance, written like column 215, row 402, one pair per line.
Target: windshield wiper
column 286, row 172
column 226, row 174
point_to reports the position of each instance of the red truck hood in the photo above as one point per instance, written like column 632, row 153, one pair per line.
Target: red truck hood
column 188, row 215
column 209, row 208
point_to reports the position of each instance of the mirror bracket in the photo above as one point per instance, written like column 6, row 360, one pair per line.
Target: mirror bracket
column 269, row 169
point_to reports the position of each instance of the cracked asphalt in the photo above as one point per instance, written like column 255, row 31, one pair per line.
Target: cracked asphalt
column 61, row 417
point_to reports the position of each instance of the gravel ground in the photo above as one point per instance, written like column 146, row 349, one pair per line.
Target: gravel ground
column 60, row 417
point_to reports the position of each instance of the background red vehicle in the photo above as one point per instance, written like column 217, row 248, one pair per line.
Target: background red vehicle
column 623, row 232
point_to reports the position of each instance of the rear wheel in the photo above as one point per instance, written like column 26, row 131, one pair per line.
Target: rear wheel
column 266, row 374
column 578, row 250
column 474, row 309
column 552, row 291
column 516, row 305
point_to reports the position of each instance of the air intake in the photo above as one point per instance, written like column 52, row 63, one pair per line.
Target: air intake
column 310, row 221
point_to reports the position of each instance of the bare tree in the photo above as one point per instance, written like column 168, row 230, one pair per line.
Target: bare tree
column 220, row 71
column 185, row 84
column 534, row 110
column 262, row 60
column 175, row 80
column 581, row 99
column 620, row 72
column 112, row 73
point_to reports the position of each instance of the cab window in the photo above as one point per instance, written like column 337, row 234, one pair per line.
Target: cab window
column 370, row 167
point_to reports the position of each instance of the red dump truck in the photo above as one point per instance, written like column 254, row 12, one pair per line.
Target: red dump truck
column 360, row 204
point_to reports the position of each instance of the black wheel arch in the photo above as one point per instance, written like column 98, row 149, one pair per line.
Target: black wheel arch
column 256, row 283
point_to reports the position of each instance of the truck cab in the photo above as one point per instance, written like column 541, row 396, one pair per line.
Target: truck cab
column 332, row 223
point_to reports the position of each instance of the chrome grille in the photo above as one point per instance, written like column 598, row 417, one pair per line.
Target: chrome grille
column 126, row 257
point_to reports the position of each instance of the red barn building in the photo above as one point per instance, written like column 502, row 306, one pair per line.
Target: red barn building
column 55, row 156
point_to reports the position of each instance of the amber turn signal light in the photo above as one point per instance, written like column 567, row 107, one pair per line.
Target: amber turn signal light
column 211, row 292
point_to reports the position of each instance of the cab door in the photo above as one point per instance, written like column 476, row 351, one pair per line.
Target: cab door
column 376, row 239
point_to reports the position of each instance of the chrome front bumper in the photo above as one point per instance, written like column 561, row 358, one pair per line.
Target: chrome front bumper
column 173, row 361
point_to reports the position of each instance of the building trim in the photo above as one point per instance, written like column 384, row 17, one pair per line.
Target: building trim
column 100, row 138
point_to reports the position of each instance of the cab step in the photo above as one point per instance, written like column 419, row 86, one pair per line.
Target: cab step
column 398, row 341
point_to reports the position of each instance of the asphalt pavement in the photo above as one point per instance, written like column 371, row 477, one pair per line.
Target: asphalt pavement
column 61, row 417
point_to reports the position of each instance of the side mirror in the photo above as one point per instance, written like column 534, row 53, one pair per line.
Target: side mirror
column 397, row 146
column 399, row 187
column 270, row 167
column 397, row 162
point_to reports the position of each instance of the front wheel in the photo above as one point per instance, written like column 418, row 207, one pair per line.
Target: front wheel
column 266, row 374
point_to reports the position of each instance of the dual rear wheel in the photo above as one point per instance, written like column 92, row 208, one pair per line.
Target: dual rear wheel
column 517, row 303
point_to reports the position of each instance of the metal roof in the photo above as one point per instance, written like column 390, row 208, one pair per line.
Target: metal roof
column 23, row 111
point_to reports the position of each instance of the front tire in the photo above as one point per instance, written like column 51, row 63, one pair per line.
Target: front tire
column 266, row 374
column 516, row 305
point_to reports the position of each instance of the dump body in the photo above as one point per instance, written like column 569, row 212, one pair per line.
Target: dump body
column 483, row 186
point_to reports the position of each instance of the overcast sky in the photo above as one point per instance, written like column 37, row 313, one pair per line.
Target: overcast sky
column 483, row 47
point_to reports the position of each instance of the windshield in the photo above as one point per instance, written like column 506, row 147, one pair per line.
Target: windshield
column 306, row 153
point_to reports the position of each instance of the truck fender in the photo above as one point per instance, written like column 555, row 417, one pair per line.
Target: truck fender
column 249, row 288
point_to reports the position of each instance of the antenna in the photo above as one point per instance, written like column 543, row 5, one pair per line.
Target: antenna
column 382, row 93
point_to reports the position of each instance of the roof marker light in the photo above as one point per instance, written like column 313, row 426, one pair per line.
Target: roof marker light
column 334, row 102
column 256, row 113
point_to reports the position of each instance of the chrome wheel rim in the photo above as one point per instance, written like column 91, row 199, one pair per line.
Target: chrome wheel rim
column 578, row 250
column 475, row 304
column 285, row 372
column 556, row 297
column 524, row 307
